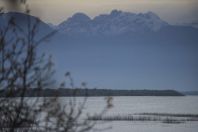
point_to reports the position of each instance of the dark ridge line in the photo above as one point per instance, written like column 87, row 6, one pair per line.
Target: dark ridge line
column 66, row 92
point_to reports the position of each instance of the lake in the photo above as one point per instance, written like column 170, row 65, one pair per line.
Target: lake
column 133, row 105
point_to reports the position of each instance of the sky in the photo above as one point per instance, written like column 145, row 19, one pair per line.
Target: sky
column 172, row 11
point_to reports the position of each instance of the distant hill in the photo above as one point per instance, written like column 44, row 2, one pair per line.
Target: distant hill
column 63, row 92
column 24, row 23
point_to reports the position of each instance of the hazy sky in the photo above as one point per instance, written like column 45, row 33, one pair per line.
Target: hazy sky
column 172, row 11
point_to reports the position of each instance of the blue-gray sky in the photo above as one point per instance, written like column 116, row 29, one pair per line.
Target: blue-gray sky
column 172, row 11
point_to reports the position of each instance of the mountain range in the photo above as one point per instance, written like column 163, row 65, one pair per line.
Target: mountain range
column 121, row 50
column 115, row 23
column 112, row 24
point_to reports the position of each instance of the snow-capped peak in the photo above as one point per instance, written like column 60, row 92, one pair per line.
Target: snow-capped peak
column 117, row 22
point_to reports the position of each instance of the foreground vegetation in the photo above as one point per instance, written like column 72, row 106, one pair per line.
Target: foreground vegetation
column 160, row 117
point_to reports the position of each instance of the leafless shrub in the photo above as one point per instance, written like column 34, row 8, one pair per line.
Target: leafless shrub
column 20, row 69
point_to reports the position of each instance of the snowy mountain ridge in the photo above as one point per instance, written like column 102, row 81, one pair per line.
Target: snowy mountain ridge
column 115, row 23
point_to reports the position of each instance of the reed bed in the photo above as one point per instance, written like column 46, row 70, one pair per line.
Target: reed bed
column 160, row 117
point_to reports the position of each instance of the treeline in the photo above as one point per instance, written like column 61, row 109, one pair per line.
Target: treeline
column 65, row 92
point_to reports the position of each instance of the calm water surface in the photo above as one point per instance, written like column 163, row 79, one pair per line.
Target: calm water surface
column 138, row 104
